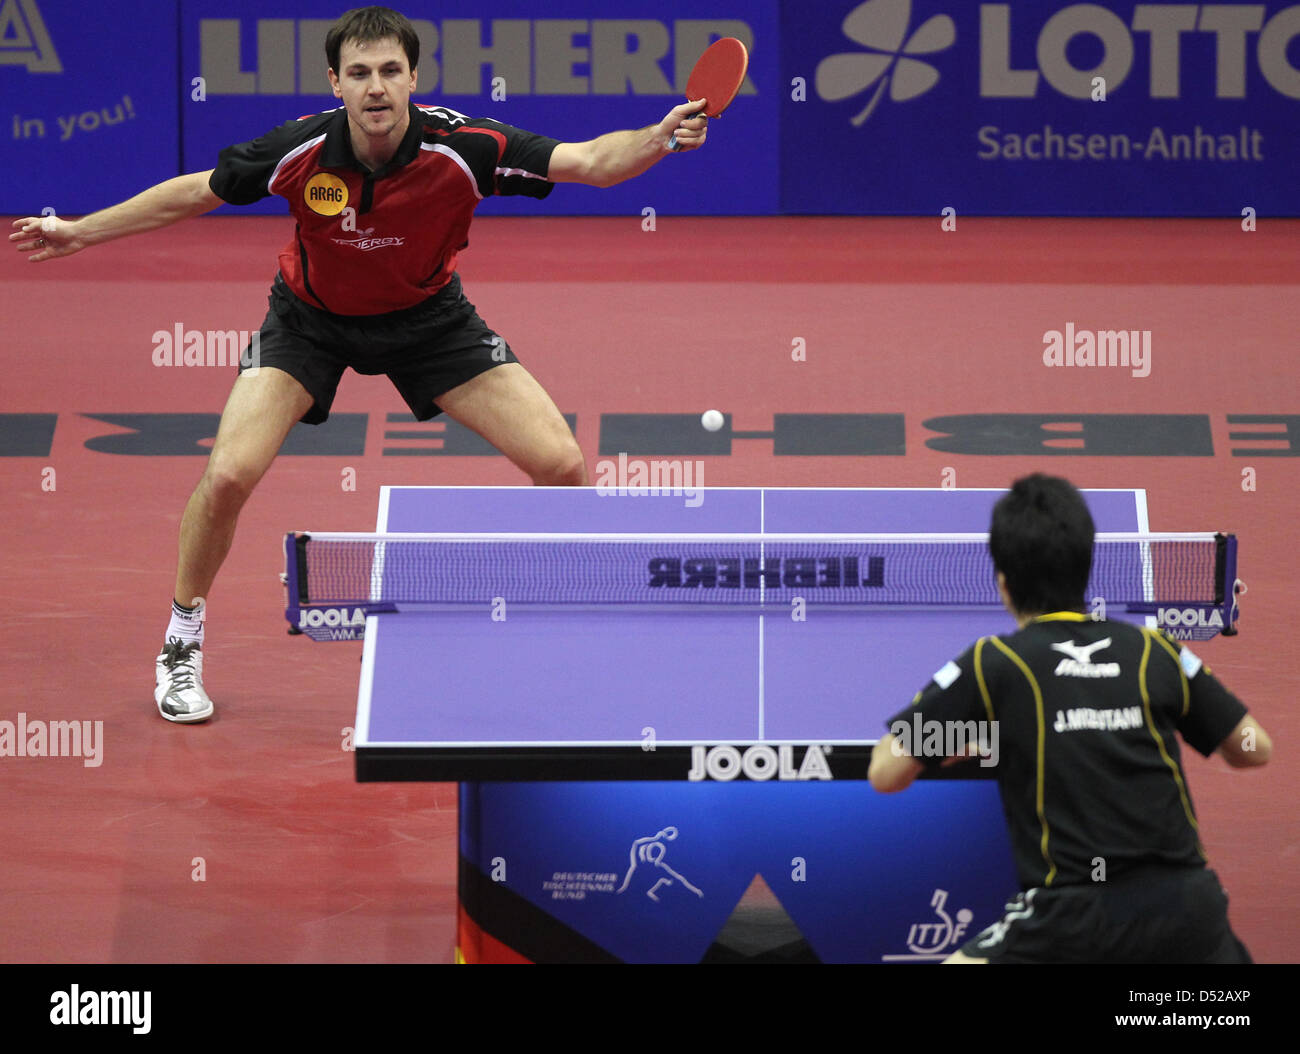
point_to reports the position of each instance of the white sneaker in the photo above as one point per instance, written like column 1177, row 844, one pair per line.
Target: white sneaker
column 179, row 692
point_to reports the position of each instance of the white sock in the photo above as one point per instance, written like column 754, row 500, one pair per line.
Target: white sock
column 186, row 623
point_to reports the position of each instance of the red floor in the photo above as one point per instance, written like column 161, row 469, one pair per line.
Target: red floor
column 299, row 862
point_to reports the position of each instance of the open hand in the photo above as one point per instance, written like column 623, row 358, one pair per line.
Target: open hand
column 47, row 237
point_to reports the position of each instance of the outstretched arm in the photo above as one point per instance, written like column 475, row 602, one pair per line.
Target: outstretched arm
column 612, row 158
column 49, row 237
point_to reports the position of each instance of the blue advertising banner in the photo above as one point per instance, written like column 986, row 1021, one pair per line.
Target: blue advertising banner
column 1040, row 107
column 570, row 69
column 91, row 112
column 1023, row 107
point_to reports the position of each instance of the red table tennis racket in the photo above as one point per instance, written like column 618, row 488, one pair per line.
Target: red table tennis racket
column 717, row 76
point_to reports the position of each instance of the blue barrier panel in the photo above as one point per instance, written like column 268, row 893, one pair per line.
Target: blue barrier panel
column 91, row 113
column 571, row 69
column 1041, row 108
column 753, row 872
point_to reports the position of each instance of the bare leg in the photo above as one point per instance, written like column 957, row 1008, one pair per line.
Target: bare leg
column 508, row 408
column 262, row 408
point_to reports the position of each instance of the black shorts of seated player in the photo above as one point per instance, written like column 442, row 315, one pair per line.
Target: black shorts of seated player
column 1041, row 540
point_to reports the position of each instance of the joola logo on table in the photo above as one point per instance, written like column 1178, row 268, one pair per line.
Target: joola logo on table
column 803, row 572
column 759, row 762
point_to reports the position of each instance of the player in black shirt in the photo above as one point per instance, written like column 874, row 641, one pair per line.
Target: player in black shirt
column 383, row 192
column 1084, row 714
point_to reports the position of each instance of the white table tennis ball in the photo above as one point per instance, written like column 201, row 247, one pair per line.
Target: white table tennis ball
column 712, row 420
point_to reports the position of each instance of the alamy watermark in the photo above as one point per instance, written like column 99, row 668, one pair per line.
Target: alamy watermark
column 207, row 347
column 25, row 738
column 634, row 477
column 75, row 1007
column 1128, row 348
column 922, row 739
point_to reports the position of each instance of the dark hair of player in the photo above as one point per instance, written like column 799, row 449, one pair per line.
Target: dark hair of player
column 365, row 25
column 1041, row 540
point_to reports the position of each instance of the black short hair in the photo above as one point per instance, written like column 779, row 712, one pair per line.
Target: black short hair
column 1041, row 540
column 365, row 25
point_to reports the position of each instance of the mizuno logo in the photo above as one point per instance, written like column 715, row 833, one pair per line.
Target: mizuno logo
column 1079, row 662
column 1078, row 651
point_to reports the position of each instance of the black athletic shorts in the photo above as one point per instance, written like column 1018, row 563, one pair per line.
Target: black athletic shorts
column 424, row 350
column 1154, row 915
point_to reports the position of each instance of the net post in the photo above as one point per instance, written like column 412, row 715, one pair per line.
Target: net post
column 1225, row 581
column 295, row 577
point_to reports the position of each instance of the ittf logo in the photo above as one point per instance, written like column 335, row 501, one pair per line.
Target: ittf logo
column 326, row 194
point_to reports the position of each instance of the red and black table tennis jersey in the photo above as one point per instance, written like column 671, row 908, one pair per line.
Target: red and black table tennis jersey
column 372, row 242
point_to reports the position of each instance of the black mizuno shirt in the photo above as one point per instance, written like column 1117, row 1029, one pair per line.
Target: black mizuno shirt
column 405, row 223
column 1088, row 761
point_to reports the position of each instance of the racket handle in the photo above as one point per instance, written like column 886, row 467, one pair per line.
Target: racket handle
column 672, row 141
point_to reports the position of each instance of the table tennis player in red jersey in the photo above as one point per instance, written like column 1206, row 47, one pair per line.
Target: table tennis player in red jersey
column 383, row 192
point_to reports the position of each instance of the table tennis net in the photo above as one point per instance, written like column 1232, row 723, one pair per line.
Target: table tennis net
column 1135, row 572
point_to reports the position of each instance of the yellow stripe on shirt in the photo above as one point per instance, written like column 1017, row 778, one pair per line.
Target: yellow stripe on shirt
column 1039, row 792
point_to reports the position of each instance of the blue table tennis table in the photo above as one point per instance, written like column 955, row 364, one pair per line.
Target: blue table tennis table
column 584, row 695
column 684, row 787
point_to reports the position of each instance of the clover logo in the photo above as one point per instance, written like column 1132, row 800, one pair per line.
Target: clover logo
column 882, row 26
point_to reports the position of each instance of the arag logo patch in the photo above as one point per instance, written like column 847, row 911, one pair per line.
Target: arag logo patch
column 326, row 194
